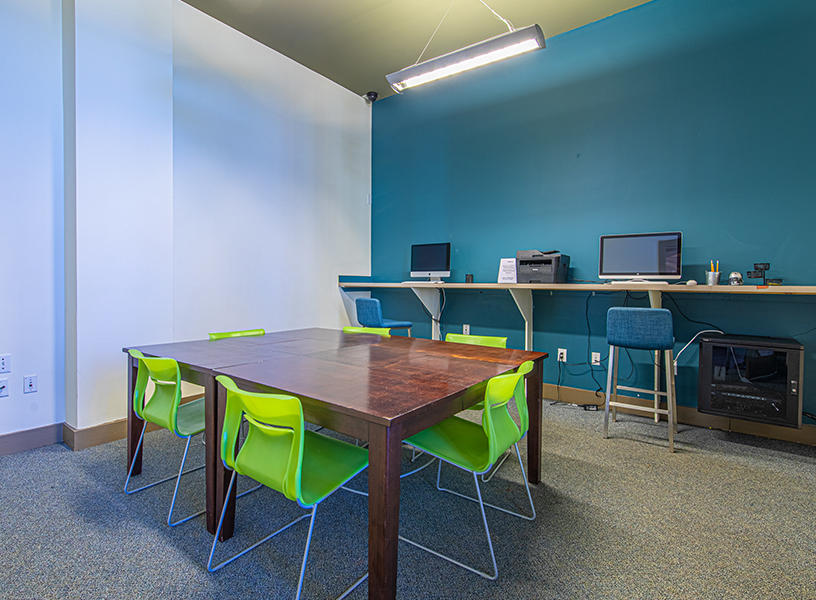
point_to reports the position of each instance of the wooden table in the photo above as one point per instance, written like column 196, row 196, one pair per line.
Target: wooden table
column 378, row 389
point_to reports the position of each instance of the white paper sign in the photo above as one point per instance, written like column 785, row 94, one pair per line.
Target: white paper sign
column 507, row 270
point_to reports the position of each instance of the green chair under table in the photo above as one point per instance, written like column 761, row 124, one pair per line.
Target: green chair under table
column 475, row 448
column 280, row 453
column 383, row 331
column 232, row 334
column 164, row 408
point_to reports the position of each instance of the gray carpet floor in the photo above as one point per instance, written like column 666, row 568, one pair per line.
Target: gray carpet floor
column 726, row 516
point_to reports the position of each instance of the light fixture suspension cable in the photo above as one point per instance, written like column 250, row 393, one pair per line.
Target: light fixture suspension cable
column 434, row 33
column 499, row 17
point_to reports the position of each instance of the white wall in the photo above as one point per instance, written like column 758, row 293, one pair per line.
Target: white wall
column 124, row 193
column 239, row 210
column 219, row 186
column 271, row 180
column 31, row 316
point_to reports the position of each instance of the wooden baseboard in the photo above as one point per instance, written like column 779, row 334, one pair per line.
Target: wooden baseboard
column 691, row 416
column 20, row 441
column 79, row 439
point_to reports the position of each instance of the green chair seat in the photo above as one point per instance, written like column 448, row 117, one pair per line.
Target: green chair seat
column 332, row 463
column 190, row 417
column 457, row 441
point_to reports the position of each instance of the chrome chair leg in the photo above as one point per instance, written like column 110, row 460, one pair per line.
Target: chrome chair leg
column 175, row 492
column 504, row 510
column 489, row 475
column 353, row 587
column 212, row 569
column 149, row 485
column 487, row 532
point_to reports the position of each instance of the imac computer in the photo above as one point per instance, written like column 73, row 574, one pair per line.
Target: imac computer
column 430, row 260
column 641, row 257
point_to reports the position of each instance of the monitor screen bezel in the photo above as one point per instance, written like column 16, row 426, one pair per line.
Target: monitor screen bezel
column 434, row 272
column 635, row 275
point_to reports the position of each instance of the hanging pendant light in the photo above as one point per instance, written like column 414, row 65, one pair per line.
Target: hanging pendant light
column 512, row 43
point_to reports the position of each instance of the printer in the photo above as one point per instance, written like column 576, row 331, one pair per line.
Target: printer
column 534, row 266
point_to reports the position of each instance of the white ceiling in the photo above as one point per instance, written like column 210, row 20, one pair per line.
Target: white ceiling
column 356, row 43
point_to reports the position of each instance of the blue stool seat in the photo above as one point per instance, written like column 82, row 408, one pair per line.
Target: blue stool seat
column 641, row 329
column 369, row 314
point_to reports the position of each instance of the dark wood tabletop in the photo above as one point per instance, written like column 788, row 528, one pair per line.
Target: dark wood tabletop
column 374, row 388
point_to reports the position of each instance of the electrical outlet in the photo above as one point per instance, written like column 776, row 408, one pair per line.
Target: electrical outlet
column 596, row 358
column 562, row 355
column 466, row 329
column 5, row 363
column 29, row 384
column 4, row 391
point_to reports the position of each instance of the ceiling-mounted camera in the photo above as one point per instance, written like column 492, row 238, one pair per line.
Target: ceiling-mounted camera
column 371, row 97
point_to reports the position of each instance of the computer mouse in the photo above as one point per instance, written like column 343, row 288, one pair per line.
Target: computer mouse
column 691, row 282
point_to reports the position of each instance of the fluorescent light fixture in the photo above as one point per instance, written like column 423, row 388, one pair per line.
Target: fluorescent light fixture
column 496, row 48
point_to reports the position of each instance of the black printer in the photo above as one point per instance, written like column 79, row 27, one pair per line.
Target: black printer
column 533, row 266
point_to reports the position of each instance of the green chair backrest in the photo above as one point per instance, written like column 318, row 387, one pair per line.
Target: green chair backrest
column 378, row 330
column 477, row 340
column 499, row 427
column 232, row 334
column 272, row 452
column 162, row 406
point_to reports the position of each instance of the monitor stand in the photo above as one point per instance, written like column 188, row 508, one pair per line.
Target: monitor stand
column 636, row 282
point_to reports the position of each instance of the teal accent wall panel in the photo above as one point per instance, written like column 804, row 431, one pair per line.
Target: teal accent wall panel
column 690, row 115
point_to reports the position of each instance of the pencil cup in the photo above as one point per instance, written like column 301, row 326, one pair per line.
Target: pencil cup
column 712, row 277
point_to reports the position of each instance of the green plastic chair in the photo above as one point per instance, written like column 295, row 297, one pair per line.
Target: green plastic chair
column 477, row 340
column 164, row 409
column 377, row 330
column 476, row 447
column 232, row 334
column 493, row 342
column 280, row 453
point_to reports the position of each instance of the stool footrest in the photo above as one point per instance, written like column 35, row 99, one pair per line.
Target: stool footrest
column 642, row 391
column 655, row 411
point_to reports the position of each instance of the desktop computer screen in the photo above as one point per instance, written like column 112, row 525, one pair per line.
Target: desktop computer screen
column 430, row 260
column 645, row 256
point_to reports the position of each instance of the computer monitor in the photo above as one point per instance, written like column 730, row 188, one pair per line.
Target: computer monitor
column 430, row 260
column 641, row 256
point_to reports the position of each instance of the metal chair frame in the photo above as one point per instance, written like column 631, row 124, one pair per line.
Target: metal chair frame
column 478, row 500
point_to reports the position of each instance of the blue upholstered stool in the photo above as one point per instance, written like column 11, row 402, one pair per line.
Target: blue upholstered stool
column 641, row 329
column 369, row 314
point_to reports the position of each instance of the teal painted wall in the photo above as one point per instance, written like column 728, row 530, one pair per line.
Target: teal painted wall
column 691, row 115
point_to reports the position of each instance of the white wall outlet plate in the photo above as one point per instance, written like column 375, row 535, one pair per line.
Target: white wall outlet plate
column 4, row 391
column 5, row 363
column 562, row 355
column 29, row 384
column 596, row 358
column 466, row 329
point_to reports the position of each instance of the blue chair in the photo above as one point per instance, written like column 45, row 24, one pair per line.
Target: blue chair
column 640, row 329
column 369, row 314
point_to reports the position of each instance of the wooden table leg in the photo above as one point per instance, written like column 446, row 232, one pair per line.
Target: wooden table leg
column 535, row 387
column 217, row 476
column 134, row 424
column 384, row 454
